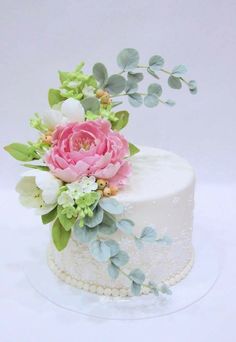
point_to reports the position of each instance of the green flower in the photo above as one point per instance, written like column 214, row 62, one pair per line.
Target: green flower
column 37, row 123
column 69, row 212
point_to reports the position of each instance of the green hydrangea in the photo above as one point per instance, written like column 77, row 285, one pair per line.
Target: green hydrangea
column 76, row 84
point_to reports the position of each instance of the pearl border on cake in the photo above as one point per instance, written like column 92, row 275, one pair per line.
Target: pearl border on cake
column 107, row 291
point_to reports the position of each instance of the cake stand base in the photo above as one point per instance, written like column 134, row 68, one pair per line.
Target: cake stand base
column 194, row 287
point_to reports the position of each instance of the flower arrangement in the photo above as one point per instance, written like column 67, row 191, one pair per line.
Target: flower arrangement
column 81, row 160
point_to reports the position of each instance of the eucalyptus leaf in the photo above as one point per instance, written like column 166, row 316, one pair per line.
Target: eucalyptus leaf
column 137, row 276
column 131, row 87
column 54, row 97
column 108, row 225
column 120, row 259
column 135, row 76
column 135, row 99
column 114, row 247
column 155, row 88
column 151, row 100
column 96, row 219
column 100, row 74
column 128, row 59
column 174, row 82
column 49, row 217
column 133, row 149
column 113, row 271
column 192, row 87
column 156, row 63
column 91, row 104
column 99, row 250
column 60, row 236
column 115, row 84
column 148, row 234
column 170, row 102
column 123, row 118
column 111, row 205
column 85, row 234
column 21, row 152
column 125, row 225
column 165, row 289
column 64, row 220
column 164, row 240
column 152, row 73
column 179, row 70
column 138, row 242
column 135, row 288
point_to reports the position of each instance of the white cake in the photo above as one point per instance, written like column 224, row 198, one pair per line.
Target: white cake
column 160, row 193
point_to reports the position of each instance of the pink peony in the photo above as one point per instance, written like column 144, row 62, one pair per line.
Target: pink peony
column 89, row 148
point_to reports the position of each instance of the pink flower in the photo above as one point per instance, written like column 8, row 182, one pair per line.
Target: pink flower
column 89, row 148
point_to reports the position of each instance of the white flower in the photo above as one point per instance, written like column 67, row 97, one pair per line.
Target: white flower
column 88, row 91
column 52, row 118
column 88, row 184
column 65, row 199
column 72, row 110
column 38, row 189
column 85, row 185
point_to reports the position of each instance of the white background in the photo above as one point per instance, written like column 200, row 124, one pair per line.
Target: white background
column 38, row 38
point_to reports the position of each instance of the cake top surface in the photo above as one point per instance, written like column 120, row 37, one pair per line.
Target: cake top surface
column 156, row 173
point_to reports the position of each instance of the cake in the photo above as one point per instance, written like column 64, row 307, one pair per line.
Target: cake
column 120, row 216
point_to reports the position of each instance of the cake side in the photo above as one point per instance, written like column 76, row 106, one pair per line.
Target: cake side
column 160, row 194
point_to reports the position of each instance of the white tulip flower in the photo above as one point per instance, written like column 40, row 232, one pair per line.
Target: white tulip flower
column 52, row 118
column 72, row 110
column 38, row 189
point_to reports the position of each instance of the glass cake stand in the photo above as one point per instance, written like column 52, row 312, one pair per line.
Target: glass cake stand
column 194, row 287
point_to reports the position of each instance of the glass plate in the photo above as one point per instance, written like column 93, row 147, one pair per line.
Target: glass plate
column 196, row 285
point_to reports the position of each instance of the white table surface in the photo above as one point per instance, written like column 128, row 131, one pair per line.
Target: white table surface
column 27, row 317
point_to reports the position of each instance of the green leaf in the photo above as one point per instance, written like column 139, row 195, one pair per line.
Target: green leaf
column 156, row 63
column 115, row 84
column 54, row 97
column 135, row 99
column 192, row 87
column 120, row 259
column 135, row 76
column 99, row 250
column 100, row 74
column 21, row 152
column 128, row 59
column 152, row 73
column 179, row 70
column 174, row 82
column 135, row 288
column 114, row 247
column 137, row 276
column 155, row 88
column 65, row 222
column 148, row 234
column 125, row 225
column 63, row 76
column 37, row 167
column 133, row 149
column 60, row 236
column 131, row 87
column 123, row 118
column 91, row 104
column 113, row 271
column 111, row 205
column 85, row 234
column 170, row 102
column 151, row 100
column 49, row 217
